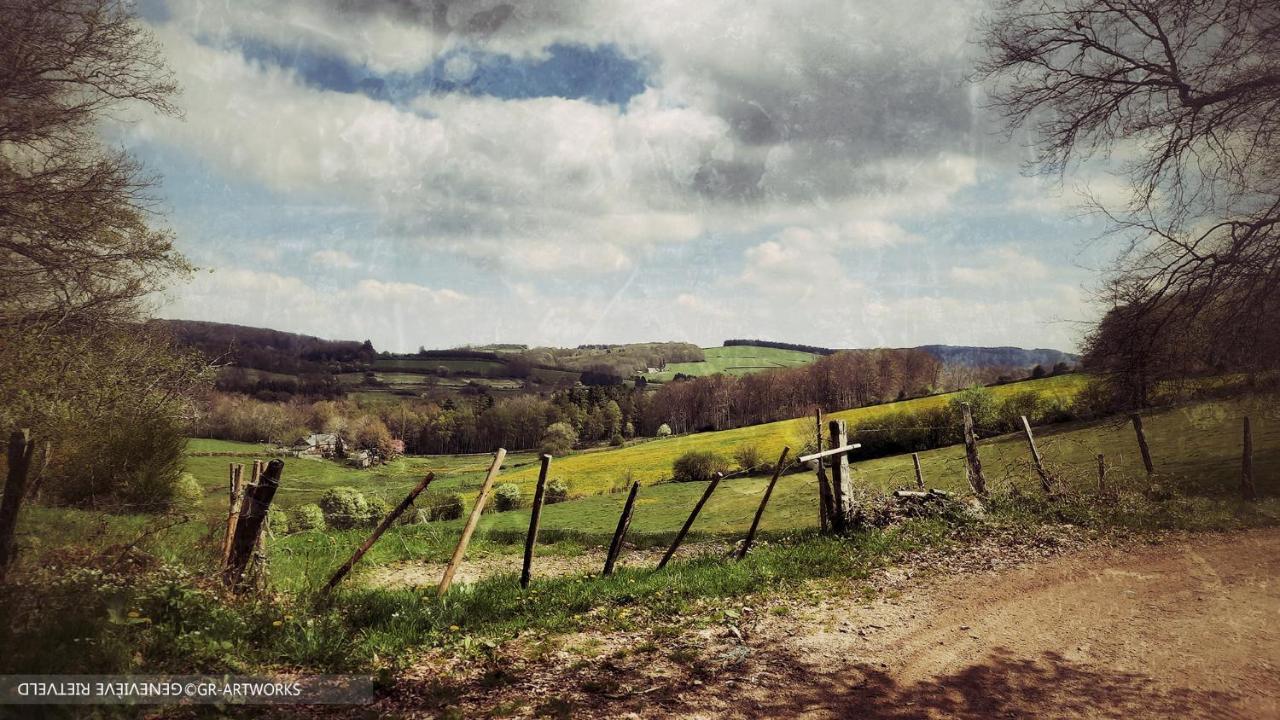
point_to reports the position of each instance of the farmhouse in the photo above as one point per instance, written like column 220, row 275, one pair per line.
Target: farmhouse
column 326, row 445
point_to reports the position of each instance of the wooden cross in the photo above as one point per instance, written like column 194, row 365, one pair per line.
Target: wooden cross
column 832, row 451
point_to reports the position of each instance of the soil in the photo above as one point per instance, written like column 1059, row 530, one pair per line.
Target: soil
column 1186, row 626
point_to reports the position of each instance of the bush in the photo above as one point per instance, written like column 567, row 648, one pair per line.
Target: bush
column 344, row 508
column 132, row 463
column 664, row 430
column 558, row 439
column 443, row 506
column 981, row 403
column 697, row 466
column 1027, row 402
column 506, row 497
column 278, row 520
column 188, row 496
column 414, row 516
column 747, row 457
column 557, row 492
column 377, row 510
column 306, row 517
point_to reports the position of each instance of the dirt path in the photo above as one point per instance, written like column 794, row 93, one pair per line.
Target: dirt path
column 1186, row 628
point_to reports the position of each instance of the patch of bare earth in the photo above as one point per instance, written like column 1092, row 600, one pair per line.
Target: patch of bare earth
column 1186, row 627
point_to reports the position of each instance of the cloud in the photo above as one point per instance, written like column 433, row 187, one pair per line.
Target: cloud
column 336, row 259
column 1000, row 267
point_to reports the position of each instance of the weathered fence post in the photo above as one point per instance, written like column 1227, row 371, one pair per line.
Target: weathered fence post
column 235, row 491
column 1102, row 473
column 1246, row 465
column 253, row 513
column 841, row 479
column 535, row 515
column 711, row 486
column 620, row 533
column 764, row 500
column 447, row 579
column 1046, row 481
column 973, row 465
column 1142, row 444
column 377, row 533
column 915, row 460
column 824, row 490
column 15, row 489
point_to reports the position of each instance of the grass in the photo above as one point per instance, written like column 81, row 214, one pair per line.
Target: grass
column 650, row 461
column 736, row 360
column 184, row 628
column 431, row 363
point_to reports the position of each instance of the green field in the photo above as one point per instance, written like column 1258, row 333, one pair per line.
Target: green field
column 736, row 360
column 426, row 365
column 650, row 461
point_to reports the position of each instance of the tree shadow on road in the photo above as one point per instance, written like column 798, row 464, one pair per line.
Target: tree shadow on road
column 1003, row 686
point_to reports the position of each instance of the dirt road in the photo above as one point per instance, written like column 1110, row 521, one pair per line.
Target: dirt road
column 1187, row 628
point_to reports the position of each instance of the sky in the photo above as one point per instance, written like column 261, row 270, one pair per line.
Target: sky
column 442, row 173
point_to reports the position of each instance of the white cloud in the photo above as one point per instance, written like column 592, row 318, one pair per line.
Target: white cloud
column 1000, row 267
column 336, row 259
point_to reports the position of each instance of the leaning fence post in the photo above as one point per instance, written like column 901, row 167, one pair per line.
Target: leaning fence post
column 915, row 460
column 15, row 488
column 1046, row 481
column 764, row 500
column 689, row 523
column 620, row 533
column 535, row 515
column 1246, row 464
column 253, row 513
column 377, row 533
column 824, row 490
column 1102, row 473
column 1142, row 443
column 235, row 492
column 470, row 527
column 973, row 465
column 841, row 479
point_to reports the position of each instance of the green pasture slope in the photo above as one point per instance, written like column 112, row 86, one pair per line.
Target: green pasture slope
column 736, row 360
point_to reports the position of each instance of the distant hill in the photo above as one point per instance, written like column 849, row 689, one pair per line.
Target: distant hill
column 977, row 357
column 270, row 350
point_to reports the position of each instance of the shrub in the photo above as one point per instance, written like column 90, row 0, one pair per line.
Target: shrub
column 1027, row 402
column 188, row 496
column 747, row 457
column 558, row 438
column 557, row 492
column 131, row 462
column 981, row 403
column 506, row 497
column 443, row 506
column 278, row 520
column 344, row 508
column 664, row 430
column 697, row 466
column 377, row 510
column 306, row 517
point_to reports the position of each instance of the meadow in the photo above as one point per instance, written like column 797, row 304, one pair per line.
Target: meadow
column 735, row 360
column 1196, row 448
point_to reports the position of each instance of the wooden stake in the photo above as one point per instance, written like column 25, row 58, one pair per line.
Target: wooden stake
column 15, row 489
column 973, row 465
column 620, row 533
column 470, row 527
column 841, row 479
column 235, row 491
column 764, row 500
column 377, row 533
column 253, row 514
column 915, row 460
column 1246, row 465
column 1142, row 443
column 535, row 515
column 824, row 490
column 1046, row 481
column 1102, row 474
column 711, row 487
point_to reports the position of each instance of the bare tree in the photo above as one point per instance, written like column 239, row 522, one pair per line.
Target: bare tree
column 1185, row 94
column 76, row 234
